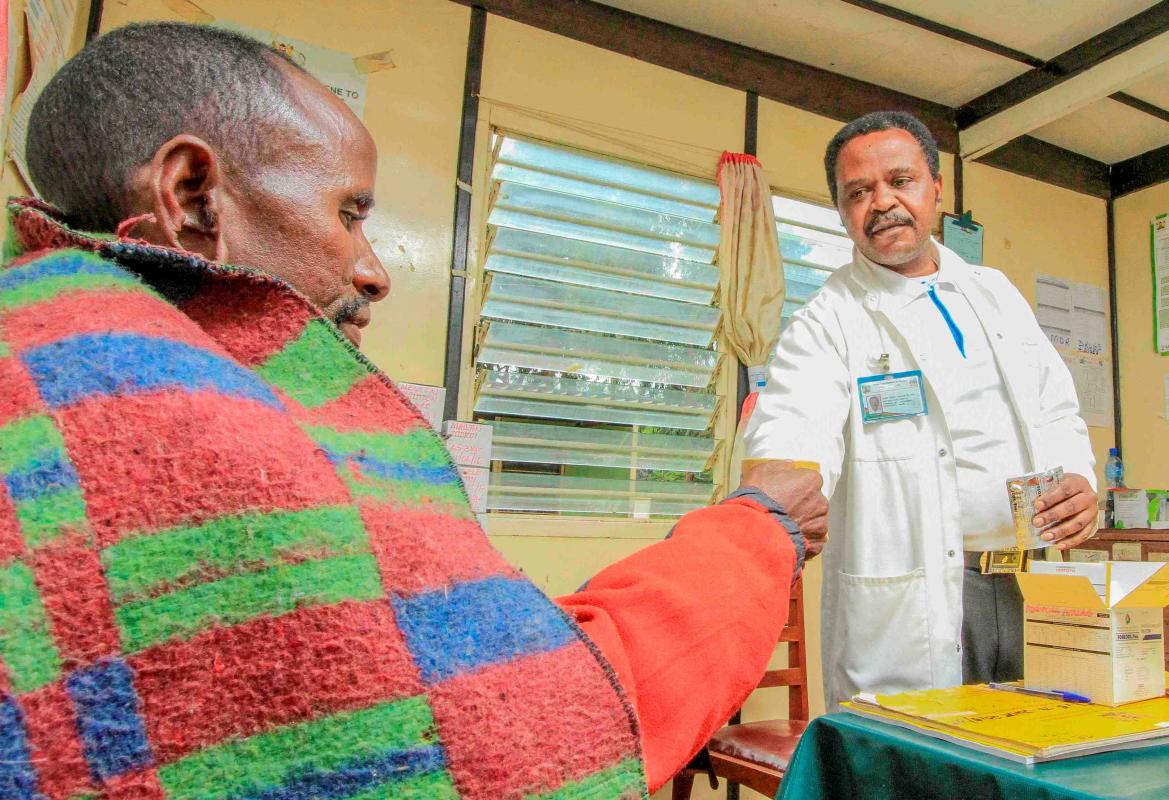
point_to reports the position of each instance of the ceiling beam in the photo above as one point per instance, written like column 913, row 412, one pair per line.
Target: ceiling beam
column 1118, row 39
column 957, row 34
column 1064, row 97
column 1035, row 158
column 722, row 62
column 1141, row 105
column 1140, row 172
column 1087, row 72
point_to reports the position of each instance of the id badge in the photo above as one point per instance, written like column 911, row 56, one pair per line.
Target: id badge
column 897, row 395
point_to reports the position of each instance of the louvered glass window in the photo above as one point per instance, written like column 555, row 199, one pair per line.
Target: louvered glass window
column 813, row 244
column 596, row 356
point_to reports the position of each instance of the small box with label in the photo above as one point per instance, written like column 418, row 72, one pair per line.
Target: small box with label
column 469, row 443
column 1129, row 508
column 430, row 400
column 475, row 480
column 1095, row 629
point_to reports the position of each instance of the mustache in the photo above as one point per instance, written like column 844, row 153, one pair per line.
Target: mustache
column 891, row 218
column 349, row 310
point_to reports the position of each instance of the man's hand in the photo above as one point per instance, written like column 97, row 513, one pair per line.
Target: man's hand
column 798, row 491
column 1070, row 508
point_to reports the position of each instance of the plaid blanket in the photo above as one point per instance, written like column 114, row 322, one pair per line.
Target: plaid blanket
column 236, row 563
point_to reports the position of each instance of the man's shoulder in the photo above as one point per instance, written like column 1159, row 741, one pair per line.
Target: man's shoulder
column 840, row 288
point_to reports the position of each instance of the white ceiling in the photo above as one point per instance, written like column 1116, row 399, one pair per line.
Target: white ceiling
column 840, row 37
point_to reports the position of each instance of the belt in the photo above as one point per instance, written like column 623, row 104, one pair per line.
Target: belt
column 998, row 561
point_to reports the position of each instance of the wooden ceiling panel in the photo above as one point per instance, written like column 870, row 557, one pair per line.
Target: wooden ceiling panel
column 1042, row 28
column 1107, row 131
column 844, row 39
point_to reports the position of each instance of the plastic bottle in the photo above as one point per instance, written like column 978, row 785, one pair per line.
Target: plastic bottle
column 1114, row 470
column 1114, row 477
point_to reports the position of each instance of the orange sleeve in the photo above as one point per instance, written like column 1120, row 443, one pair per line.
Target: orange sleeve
column 690, row 623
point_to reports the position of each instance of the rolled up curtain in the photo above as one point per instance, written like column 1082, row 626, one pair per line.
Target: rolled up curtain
column 751, row 282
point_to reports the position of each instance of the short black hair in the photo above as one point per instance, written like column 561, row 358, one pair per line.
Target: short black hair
column 881, row 121
column 109, row 109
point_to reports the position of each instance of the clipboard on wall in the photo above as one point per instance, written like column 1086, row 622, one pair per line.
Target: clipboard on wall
column 963, row 235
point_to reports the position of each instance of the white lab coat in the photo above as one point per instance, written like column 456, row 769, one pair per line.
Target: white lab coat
column 892, row 596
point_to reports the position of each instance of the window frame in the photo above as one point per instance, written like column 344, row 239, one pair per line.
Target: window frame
column 725, row 385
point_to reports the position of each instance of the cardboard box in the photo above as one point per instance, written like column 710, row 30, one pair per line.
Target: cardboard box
column 430, row 400
column 475, row 479
column 469, row 443
column 1096, row 629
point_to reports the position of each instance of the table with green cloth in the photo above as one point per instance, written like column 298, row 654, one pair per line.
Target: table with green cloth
column 846, row 756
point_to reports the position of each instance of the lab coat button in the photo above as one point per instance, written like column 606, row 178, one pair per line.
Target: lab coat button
column 957, row 648
column 950, row 554
column 942, row 452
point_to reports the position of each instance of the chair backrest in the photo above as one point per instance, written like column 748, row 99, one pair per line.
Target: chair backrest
column 795, row 674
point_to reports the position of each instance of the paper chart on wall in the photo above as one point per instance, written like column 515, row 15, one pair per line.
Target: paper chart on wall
column 1160, row 245
column 1074, row 316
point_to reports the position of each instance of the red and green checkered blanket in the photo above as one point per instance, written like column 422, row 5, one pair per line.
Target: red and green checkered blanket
column 236, row 563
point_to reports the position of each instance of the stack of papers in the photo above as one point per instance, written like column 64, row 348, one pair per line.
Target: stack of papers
column 1020, row 727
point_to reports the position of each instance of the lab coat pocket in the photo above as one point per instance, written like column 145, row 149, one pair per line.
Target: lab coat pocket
column 885, row 644
column 894, row 440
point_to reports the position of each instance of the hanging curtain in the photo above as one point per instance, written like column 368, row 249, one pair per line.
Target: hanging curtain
column 751, row 272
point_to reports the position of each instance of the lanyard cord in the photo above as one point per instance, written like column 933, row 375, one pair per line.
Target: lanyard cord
column 955, row 331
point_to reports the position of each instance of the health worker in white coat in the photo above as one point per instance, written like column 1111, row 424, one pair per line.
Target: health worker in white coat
column 920, row 384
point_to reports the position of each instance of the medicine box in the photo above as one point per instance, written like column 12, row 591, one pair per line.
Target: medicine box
column 1095, row 629
column 468, row 442
column 1130, row 508
column 430, row 400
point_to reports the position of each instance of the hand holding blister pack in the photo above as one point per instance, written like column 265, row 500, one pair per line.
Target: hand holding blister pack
column 1022, row 493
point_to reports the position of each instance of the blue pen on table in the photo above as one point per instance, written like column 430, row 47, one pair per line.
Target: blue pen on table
column 1054, row 694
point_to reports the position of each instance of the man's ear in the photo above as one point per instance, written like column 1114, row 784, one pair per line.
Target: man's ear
column 185, row 184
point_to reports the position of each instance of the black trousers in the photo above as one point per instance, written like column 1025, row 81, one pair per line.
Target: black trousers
column 992, row 627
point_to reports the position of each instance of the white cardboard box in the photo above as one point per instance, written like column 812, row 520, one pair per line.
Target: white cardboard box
column 475, row 479
column 1095, row 629
column 468, row 442
column 430, row 400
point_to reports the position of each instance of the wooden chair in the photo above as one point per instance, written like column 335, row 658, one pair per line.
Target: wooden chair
column 756, row 754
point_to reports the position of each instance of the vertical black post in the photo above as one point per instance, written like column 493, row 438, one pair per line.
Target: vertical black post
column 959, row 204
column 751, row 147
column 751, row 126
column 462, row 227
column 1110, row 217
column 93, row 24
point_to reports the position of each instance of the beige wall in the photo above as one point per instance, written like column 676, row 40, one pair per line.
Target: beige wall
column 1145, row 430
column 549, row 86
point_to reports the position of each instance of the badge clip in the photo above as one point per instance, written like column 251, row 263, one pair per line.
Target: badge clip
column 882, row 362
